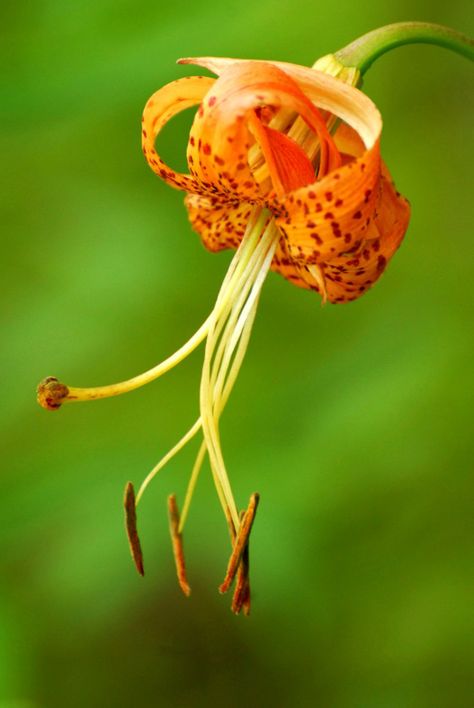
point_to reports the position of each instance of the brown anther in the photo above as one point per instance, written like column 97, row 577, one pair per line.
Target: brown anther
column 241, row 598
column 240, row 542
column 51, row 393
column 131, row 527
column 177, row 541
column 246, row 601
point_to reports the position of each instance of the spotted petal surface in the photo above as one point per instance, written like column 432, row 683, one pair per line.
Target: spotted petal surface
column 338, row 213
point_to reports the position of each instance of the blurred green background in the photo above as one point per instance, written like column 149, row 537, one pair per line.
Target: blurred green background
column 353, row 421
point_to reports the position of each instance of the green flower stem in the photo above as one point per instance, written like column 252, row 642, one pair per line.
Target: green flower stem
column 366, row 49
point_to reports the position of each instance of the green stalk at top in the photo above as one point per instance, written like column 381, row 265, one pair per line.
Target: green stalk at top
column 366, row 49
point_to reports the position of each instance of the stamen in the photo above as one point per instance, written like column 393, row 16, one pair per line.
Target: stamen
column 244, row 274
column 221, row 396
column 227, row 330
column 243, row 268
column 243, row 310
column 177, row 541
column 238, row 301
column 240, row 543
column 241, row 598
column 131, row 527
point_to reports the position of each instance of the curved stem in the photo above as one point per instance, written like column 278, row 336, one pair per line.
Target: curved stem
column 366, row 49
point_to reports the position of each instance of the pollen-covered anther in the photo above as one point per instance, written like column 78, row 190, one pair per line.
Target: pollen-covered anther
column 177, row 541
column 241, row 597
column 51, row 393
column 130, row 508
column 240, row 543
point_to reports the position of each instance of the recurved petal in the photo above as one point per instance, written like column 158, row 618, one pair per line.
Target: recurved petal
column 298, row 275
column 327, row 93
column 330, row 217
column 348, row 141
column 220, row 224
column 347, row 277
column 227, row 125
column 288, row 165
column 215, row 64
column 160, row 108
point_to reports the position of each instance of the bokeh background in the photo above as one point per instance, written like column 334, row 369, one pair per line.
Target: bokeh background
column 353, row 421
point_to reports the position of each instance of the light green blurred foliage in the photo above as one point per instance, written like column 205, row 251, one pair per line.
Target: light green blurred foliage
column 353, row 422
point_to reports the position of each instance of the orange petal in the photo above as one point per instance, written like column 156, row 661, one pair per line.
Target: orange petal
column 220, row 136
column 289, row 166
column 328, row 218
column 325, row 91
column 161, row 107
column 215, row 64
column 345, row 227
column 220, row 224
column 298, row 275
column 349, row 276
column 348, row 141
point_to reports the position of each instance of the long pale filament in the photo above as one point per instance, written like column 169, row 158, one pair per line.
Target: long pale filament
column 229, row 330
column 212, row 404
column 232, row 375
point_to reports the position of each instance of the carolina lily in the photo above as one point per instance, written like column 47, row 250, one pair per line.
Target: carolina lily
column 284, row 166
column 336, row 215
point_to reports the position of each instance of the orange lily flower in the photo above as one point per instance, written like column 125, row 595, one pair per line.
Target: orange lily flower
column 331, row 198
column 284, row 166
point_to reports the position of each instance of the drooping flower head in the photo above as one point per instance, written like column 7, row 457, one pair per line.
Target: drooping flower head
column 284, row 167
column 300, row 143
